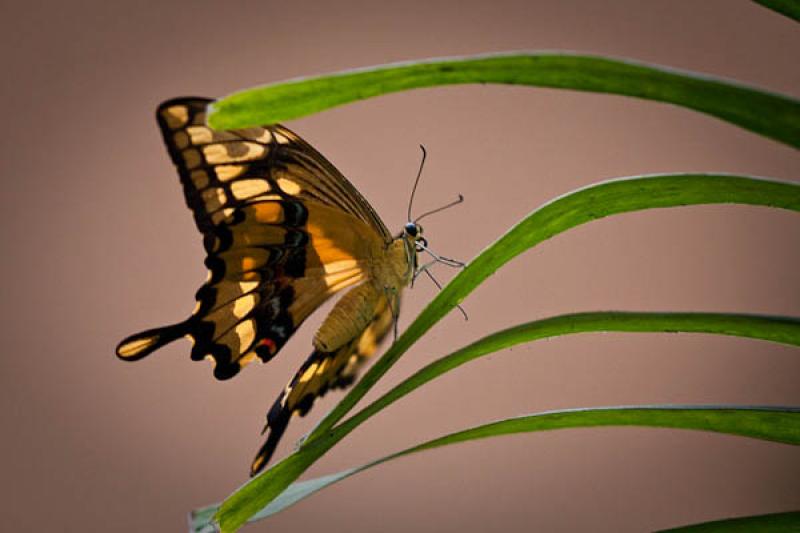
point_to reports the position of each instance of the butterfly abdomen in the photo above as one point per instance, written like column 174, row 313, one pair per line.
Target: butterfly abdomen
column 348, row 318
column 390, row 272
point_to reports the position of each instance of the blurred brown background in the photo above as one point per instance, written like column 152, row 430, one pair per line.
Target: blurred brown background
column 98, row 244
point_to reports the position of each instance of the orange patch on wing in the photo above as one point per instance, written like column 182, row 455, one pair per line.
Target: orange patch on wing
column 268, row 212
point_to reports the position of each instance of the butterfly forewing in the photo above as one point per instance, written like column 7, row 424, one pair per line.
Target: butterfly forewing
column 283, row 231
column 282, row 228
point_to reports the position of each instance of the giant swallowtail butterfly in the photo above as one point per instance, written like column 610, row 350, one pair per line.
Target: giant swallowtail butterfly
column 283, row 230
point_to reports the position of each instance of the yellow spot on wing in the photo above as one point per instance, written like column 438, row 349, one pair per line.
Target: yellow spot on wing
column 247, row 358
column 199, row 134
column 136, row 346
column 176, row 116
column 247, row 286
column 322, row 366
column 233, row 151
column 257, row 463
column 247, row 333
column 288, row 186
column 309, row 373
column 228, row 172
column 244, row 305
column 281, row 138
column 243, row 189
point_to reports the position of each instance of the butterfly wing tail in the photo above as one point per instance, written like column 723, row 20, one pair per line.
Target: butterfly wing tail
column 282, row 410
column 142, row 344
column 277, row 421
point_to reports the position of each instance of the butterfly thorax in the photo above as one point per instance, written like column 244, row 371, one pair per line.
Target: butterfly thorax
column 391, row 269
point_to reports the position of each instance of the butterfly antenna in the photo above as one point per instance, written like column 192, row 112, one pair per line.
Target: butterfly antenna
column 439, row 286
column 447, row 206
column 416, row 181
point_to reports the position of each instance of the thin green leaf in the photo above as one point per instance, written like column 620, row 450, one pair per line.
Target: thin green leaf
column 765, row 523
column 789, row 8
column 778, row 424
column 785, row 330
column 770, row 114
column 576, row 208
column 250, row 498
column 777, row 329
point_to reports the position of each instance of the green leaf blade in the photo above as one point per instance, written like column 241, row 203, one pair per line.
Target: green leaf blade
column 785, row 330
column 776, row 329
column 766, row 523
column 788, row 8
column 591, row 203
column 777, row 424
column 569, row 211
column 773, row 115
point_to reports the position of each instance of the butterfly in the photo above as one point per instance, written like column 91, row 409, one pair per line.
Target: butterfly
column 283, row 231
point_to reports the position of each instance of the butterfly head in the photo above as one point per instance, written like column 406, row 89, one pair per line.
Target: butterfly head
column 413, row 232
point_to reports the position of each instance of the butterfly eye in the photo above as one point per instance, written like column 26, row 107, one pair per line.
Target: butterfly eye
column 411, row 229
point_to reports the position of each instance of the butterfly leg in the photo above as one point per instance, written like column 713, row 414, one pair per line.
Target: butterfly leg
column 441, row 259
column 437, row 259
column 422, row 269
column 426, row 269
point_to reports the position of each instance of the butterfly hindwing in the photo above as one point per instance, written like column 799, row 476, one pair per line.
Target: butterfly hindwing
column 324, row 371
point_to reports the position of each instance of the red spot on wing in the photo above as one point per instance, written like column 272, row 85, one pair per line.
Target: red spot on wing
column 270, row 344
